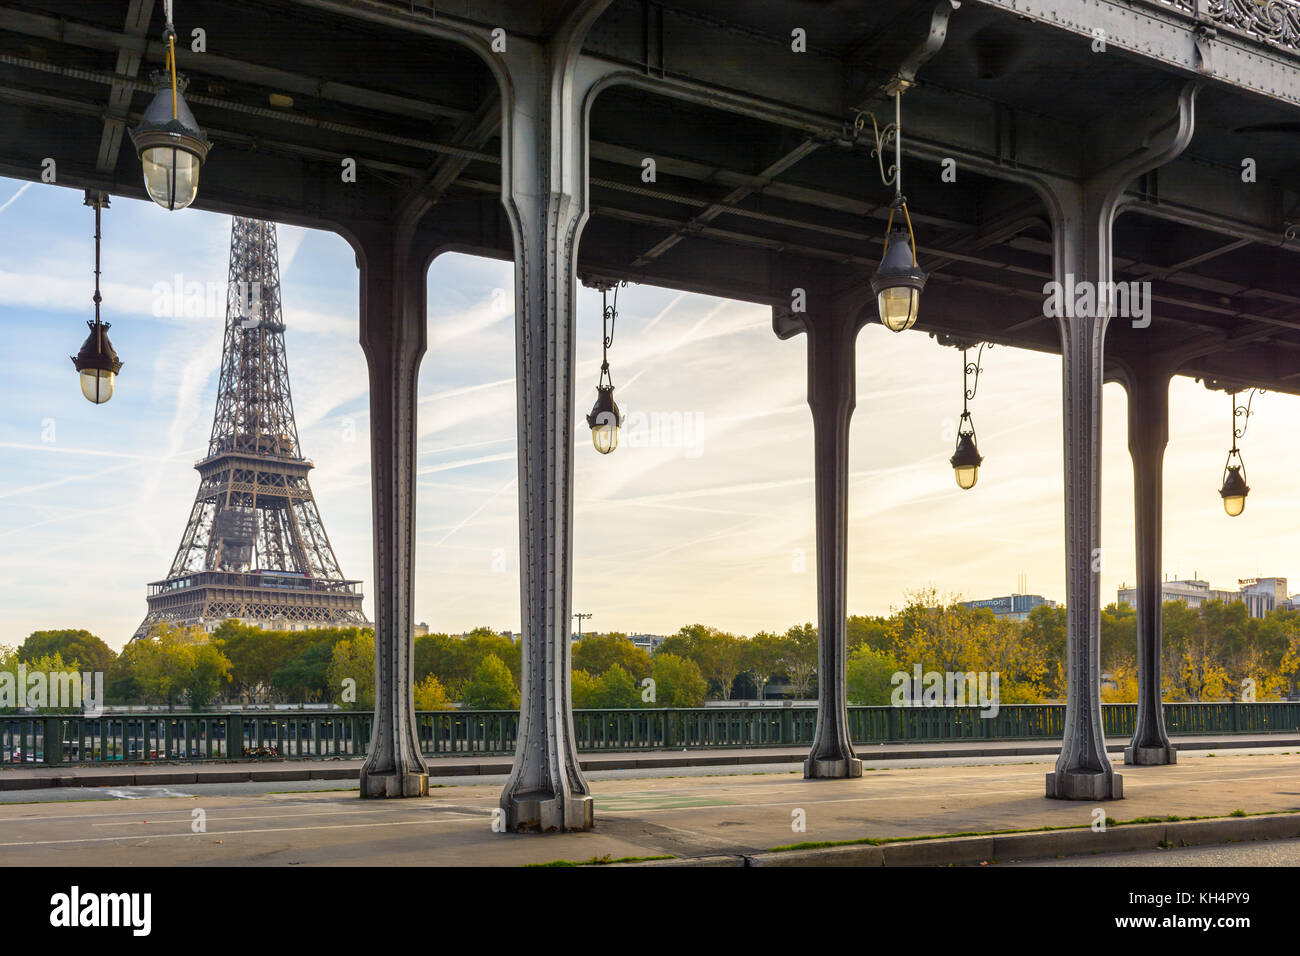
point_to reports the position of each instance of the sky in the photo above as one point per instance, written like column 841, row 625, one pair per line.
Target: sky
column 703, row 514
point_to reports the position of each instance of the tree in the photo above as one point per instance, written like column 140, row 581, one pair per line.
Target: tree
column 870, row 675
column 306, row 677
column 617, row 689
column 208, row 674
column 450, row 658
column 684, row 642
column 596, row 653
column 173, row 663
column 719, row 656
column 1125, row 691
column 492, row 687
column 1043, row 634
column 678, row 682
column 483, row 641
column 875, row 632
column 430, row 695
column 760, row 658
column 1118, row 636
column 43, row 698
column 352, row 672
column 79, row 649
column 257, row 655
column 799, row 659
column 584, row 689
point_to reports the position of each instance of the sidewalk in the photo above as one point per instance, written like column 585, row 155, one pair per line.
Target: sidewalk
column 142, row 774
column 895, row 814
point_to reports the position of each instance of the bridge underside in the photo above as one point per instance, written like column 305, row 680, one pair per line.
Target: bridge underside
column 1119, row 140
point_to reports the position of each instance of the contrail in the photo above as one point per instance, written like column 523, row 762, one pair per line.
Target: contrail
column 475, row 513
column 14, row 198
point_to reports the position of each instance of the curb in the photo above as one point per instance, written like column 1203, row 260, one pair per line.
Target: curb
column 957, row 851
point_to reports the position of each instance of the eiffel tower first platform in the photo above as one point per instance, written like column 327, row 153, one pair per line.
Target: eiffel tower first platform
column 255, row 548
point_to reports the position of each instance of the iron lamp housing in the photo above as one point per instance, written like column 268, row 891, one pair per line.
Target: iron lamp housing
column 604, row 420
column 98, row 364
column 172, row 148
column 966, row 461
column 898, row 282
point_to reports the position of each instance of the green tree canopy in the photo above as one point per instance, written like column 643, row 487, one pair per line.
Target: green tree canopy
column 78, row 647
column 678, row 682
column 870, row 675
column 616, row 689
column 492, row 687
column 352, row 672
column 596, row 653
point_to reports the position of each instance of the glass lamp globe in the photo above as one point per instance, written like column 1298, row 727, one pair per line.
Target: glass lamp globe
column 1234, row 491
column 604, row 421
column 966, row 461
column 898, row 283
column 97, row 384
column 97, row 363
column 171, row 148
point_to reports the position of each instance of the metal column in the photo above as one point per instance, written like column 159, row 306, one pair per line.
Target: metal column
column 832, row 335
column 1147, row 386
column 1083, row 212
column 545, row 195
column 393, row 338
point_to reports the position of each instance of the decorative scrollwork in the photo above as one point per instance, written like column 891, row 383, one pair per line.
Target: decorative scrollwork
column 1243, row 412
column 884, row 139
column 972, row 370
column 1275, row 22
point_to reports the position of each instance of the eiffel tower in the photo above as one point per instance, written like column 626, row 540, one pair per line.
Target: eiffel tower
column 255, row 548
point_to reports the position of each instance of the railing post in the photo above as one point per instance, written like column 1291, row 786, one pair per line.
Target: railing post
column 234, row 735
column 53, row 740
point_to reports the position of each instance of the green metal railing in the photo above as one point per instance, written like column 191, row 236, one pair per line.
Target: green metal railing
column 156, row 737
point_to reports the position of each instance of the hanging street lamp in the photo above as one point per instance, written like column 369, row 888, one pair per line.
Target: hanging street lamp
column 1234, row 489
column 96, row 362
column 169, row 142
column 604, row 419
column 898, row 281
column 966, row 458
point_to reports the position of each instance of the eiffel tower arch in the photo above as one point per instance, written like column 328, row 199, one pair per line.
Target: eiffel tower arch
column 255, row 548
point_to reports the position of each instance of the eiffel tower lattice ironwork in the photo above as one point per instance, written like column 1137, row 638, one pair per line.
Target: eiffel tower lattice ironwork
column 255, row 548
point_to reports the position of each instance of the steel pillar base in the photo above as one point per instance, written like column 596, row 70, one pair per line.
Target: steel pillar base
column 1085, row 785
column 829, row 768
column 543, row 812
column 394, row 784
column 1150, row 756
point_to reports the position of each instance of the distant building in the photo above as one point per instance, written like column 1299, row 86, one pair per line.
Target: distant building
column 421, row 629
column 647, row 642
column 1013, row 607
column 1260, row 595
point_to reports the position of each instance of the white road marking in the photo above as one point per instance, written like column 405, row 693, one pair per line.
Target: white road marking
column 213, row 833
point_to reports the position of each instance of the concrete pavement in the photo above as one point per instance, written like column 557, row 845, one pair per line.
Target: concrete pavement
column 727, row 816
column 32, row 776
